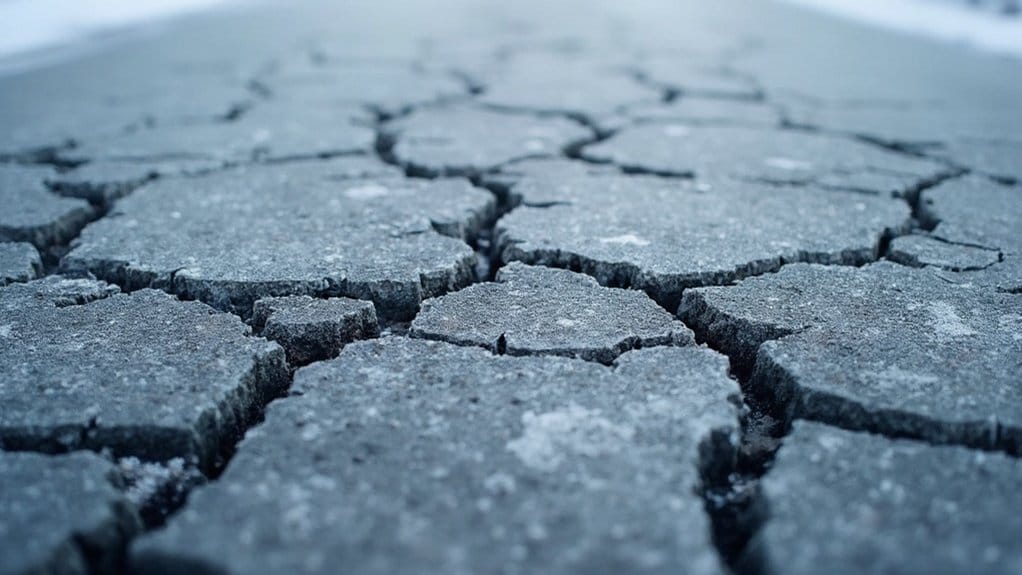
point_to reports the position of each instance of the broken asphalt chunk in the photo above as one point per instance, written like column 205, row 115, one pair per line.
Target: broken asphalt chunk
column 387, row 88
column 62, row 514
column 270, row 132
column 715, row 153
column 33, row 214
column 694, row 110
column 693, row 77
column 411, row 456
column 311, row 329
column 140, row 374
column 544, row 311
column 978, row 232
column 467, row 140
column 884, row 348
column 861, row 503
column 19, row 262
column 663, row 235
column 231, row 238
column 593, row 90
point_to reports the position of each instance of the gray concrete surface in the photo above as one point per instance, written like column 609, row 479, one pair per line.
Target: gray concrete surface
column 736, row 215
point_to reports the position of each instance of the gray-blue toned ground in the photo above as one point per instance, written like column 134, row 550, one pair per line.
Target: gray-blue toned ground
column 385, row 287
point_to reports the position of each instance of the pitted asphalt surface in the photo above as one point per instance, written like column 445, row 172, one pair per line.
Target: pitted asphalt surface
column 458, row 287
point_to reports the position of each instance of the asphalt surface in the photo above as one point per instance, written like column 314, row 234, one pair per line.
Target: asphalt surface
column 465, row 287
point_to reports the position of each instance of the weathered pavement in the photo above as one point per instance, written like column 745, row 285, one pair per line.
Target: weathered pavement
column 558, row 287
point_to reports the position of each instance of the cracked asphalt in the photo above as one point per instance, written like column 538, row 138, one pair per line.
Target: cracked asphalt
column 457, row 287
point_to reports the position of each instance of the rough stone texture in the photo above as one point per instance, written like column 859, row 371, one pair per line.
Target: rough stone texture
column 31, row 213
column 715, row 153
column 19, row 262
column 467, row 140
column 346, row 102
column 543, row 311
column 139, row 374
column 860, row 503
column 312, row 329
column 664, row 235
column 236, row 236
column 408, row 456
column 977, row 232
column 62, row 514
column 884, row 348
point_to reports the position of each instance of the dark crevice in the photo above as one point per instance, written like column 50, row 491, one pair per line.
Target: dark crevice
column 158, row 489
column 911, row 260
column 733, row 501
column 925, row 218
column 667, row 291
column 772, row 401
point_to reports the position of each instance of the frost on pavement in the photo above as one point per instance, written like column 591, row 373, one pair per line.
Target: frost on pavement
column 233, row 237
column 465, row 140
column 978, row 232
column 470, row 463
column 885, row 348
column 139, row 374
column 541, row 311
column 663, row 235
column 860, row 503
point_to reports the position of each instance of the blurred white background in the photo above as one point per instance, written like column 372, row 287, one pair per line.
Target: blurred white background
column 28, row 25
column 32, row 25
column 992, row 25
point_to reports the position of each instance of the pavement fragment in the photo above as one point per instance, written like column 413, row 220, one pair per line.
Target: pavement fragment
column 405, row 456
column 860, row 503
column 269, row 132
column 388, row 88
column 35, row 215
column 884, row 348
column 977, row 232
column 19, row 262
column 663, row 235
column 62, row 514
column 236, row 236
column 466, row 140
column 696, row 77
column 141, row 375
column 544, row 311
column 311, row 329
column 695, row 110
column 715, row 153
column 46, row 113
column 543, row 84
